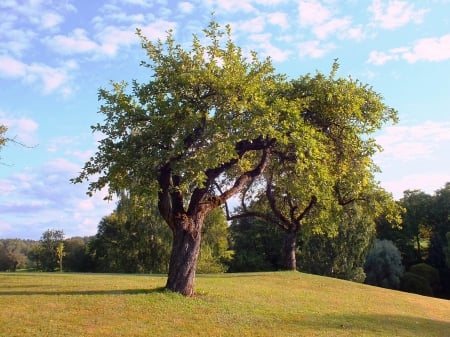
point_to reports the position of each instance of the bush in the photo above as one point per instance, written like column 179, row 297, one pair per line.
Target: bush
column 383, row 265
column 429, row 273
column 416, row 284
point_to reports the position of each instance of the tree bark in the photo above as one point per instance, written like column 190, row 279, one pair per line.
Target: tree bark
column 289, row 250
column 184, row 255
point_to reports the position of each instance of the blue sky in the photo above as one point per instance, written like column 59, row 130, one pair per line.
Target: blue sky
column 56, row 54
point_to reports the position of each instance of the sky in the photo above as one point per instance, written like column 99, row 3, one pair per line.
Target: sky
column 56, row 54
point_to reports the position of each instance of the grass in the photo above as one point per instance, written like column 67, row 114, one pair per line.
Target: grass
column 255, row 304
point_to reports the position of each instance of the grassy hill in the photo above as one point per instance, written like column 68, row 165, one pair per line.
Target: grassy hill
column 256, row 304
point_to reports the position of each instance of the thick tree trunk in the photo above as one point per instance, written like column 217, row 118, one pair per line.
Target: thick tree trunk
column 289, row 250
column 184, row 256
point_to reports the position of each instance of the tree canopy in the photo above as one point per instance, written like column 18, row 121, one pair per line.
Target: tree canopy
column 212, row 122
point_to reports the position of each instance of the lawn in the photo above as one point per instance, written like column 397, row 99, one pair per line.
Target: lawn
column 255, row 304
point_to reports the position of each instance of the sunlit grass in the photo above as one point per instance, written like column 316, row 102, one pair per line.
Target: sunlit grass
column 256, row 304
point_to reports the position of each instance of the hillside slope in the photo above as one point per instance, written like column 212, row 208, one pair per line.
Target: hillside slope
column 255, row 304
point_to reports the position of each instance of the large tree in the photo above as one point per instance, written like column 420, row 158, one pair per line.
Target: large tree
column 205, row 127
column 335, row 169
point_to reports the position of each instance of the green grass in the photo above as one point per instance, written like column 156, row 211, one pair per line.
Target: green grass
column 256, row 304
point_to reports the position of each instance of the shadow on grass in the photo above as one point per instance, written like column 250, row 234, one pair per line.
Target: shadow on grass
column 85, row 292
column 395, row 325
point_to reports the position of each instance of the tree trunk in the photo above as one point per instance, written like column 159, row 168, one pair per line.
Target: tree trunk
column 289, row 250
column 184, row 256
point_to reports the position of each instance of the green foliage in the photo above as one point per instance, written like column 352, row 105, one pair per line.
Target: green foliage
column 383, row 265
column 342, row 255
column 414, row 283
column 430, row 274
column 77, row 258
column 3, row 139
column 256, row 245
column 45, row 253
column 214, row 253
column 133, row 239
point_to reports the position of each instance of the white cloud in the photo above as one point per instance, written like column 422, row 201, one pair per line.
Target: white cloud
column 279, row 19
column 186, row 7
column 75, row 42
column 395, row 13
column 332, row 26
column 323, row 22
column 232, row 6
column 21, row 129
column 312, row 13
column 428, row 182
column 48, row 79
column 314, row 49
column 414, row 142
column 10, row 67
column 255, row 25
column 433, row 49
column 268, row 49
column 430, row 49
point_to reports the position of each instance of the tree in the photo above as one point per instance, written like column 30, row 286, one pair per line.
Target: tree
column 383, row 265
column 3, row 138
column 60, row 253
column 48, row 252
column 133, row 239
column 77, row 258
column 256, row 245
column 214, row 253
column 335, row 168
column 205, row 127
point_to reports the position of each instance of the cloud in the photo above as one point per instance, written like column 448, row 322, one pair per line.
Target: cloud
column 395, row 13
column 428, row 182
column 323, row 22
column 314, row 49
column 21, row 129
column 432, row 49
column 417, row 142
column 185, row 7
column 312, row 13
column 76, row 42
column 48, row 79
column 22, row 21
column 279, row 19
column 43, row 197
column 268, row 49
column 108, row 39
column 231, row 6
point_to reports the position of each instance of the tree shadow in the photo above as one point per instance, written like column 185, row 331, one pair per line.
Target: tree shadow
column 359, row 324
column 83, row 292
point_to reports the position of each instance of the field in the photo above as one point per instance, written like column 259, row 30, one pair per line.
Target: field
column 255, row 304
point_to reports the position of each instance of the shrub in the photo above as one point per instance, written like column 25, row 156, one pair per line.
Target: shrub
column 416, row 284
column 383, row 265
column 429, row 273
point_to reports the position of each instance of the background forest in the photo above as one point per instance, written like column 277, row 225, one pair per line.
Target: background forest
column 413, row 257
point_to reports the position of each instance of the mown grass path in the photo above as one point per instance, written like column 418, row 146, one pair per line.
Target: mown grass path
column 256, row 304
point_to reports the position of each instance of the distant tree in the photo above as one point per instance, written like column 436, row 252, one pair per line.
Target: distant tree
column 256, row 245
column 60, row 253
column 133, row 239
column 48, row 249
column 214, row 253
column 383, row 265
column 417, row 224
column 7, row 260
column 77, row 258
column 3, row 138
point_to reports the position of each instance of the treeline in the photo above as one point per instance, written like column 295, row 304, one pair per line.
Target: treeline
column 413, row 257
